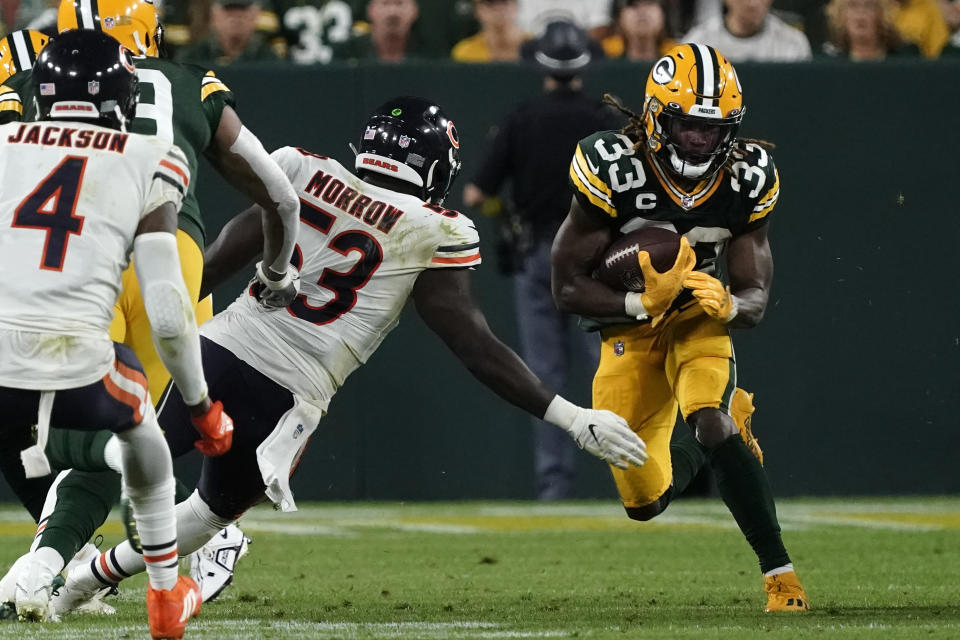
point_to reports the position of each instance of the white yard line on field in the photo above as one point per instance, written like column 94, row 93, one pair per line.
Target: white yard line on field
column 286, row 630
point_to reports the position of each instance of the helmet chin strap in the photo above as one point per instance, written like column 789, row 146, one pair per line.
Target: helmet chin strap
column 687, row 170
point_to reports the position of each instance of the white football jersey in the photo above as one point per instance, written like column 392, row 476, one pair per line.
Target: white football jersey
column 360, row 249
column 71, row 198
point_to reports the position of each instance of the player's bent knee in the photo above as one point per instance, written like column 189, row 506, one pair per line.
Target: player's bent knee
column 647, row 512
column 711, row 426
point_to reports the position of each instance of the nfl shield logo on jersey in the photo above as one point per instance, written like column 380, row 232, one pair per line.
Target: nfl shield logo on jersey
column 404, row 142
column 618, row 348
column 686, row 202
column 93, row 87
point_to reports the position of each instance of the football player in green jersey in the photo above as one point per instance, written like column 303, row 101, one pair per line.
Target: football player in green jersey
column 191, row 107
column 680, row 166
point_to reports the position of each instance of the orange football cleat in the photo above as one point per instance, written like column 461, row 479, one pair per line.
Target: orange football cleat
column 785, row 593
column 169, row 610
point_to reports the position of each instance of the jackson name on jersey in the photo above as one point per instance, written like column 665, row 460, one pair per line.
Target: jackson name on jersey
column 627, row 190
column 71, row 198
column 360, row 250
column 179, row 103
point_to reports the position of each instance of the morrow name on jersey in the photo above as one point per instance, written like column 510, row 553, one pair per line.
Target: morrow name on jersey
column 360, row 250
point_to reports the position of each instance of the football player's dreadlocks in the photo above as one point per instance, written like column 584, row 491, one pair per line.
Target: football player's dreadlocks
column 635, row 130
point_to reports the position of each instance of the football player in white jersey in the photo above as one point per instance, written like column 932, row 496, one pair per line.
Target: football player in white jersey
column 77, row 195
column 368, row 241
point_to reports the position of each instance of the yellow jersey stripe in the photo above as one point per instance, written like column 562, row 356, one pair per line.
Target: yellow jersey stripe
column 773, row 192
column 594, row 180
column 763, row 213
column 211, row 88
column 11, row 105
column 585, row 190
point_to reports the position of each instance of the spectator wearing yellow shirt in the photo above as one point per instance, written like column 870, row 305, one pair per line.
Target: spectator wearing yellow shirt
column 922, row 23
column 640, row 31
column 499, row 38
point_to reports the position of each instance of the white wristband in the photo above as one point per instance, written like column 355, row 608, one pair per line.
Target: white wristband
column 275, row 285
column 735, row 309
column 633, row 305
column 561, row 413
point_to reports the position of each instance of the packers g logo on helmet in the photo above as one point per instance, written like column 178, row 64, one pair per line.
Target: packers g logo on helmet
column 693, row 85
column 18, row 51
column 133, row 22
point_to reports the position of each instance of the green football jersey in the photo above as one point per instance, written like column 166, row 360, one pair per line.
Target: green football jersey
column 179, row 103
column 627, row 190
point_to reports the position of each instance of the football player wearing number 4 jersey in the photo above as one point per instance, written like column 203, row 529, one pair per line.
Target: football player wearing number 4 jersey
column 192, row 108
column 368, row 243
column 77, row 195
column 679, row 165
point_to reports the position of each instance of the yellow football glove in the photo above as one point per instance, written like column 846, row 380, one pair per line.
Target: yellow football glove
column 714, row 298
column 660, row 289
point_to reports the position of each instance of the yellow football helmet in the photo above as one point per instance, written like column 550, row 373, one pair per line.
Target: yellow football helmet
column 133, row 22
column 692, row 111
column 18, row 51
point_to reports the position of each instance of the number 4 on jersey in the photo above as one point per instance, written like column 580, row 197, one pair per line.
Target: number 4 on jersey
column 51, row 208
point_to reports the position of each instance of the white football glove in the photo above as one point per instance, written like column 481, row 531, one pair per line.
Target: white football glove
column 277, row 294
column 602, row 433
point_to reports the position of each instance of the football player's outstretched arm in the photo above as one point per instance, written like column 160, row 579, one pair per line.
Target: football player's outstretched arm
column 174, row 327
column 750, row 264
column 240, row 158
column 444, row 301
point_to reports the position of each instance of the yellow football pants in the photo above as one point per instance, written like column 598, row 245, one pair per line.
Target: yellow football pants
column 646, row 374
column 132, row 327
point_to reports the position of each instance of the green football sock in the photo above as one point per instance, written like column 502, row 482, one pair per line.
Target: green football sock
column 84, row 500
column 687, row 456
column 744, row 487
column 73, row 449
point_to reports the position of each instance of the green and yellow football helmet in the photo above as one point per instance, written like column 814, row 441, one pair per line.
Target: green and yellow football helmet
column 133, row 22
column 18, row 52
column 692, row 88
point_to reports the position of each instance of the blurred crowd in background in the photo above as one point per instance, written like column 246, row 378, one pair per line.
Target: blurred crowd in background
column 478, row 31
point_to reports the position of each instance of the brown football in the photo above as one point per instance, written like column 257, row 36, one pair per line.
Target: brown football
column 619, row 268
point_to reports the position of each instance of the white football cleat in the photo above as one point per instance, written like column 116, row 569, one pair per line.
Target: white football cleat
column 8, row 583
column 72, row 598
column 32, row 592
column 213, row 564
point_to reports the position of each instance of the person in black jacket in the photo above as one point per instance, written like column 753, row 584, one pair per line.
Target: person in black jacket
column 531, row 149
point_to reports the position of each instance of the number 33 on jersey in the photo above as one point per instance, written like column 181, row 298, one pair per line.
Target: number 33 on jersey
column 625, row 189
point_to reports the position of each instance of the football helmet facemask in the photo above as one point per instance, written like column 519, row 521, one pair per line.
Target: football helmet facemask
column 86, row 75
column 411, row 139
column 692, row 110
column 19, row 50
column 133, row 22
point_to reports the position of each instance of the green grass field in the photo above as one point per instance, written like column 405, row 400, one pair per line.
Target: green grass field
column 872, row 569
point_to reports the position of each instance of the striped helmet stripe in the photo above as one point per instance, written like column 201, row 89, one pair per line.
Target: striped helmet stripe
column 707, row 75
column 698, row 61
column 23, row 48
column 87, row 15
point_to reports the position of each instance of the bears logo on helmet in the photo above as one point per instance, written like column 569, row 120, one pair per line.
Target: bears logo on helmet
column 78, row 78
column 411, row 139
